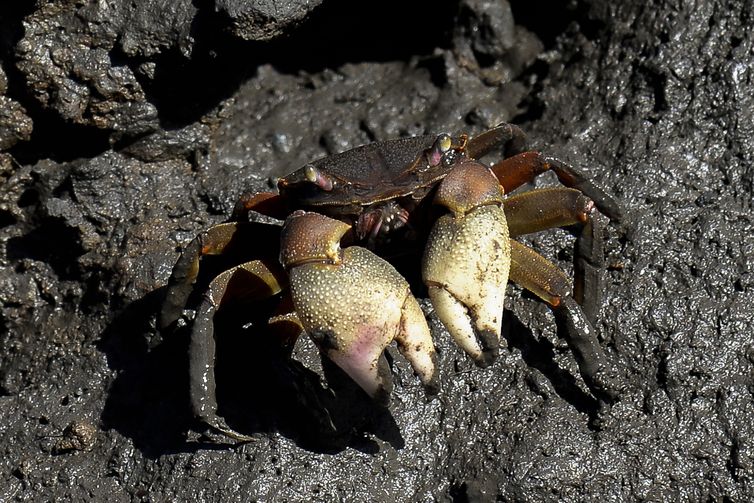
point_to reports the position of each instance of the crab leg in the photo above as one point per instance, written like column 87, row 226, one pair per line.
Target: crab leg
column 510, row 136
column 545, row 280
column 467, row 258
column 232, row 240
column 542, row 209
column 267, row 203
column 353, row 304
column 250, row 281
column 526, row 166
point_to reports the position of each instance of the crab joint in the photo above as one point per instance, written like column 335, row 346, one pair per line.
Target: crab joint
column 311, row 237
column 468, row 186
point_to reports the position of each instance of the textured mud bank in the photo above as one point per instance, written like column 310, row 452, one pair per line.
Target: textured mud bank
column 128, row 127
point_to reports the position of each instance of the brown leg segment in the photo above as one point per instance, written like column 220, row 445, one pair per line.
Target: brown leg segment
column 589, row 267
column 543, row 278
column 542, row 209
column 247, row 282
column 524, row 167
column 508, row 136
column 267, row 203
column 538, row 210
column 234, row 238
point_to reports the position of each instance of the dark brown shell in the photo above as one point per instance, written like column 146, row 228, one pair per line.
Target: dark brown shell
column 368, row 174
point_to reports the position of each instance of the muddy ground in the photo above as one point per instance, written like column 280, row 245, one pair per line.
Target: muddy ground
column 128, row 127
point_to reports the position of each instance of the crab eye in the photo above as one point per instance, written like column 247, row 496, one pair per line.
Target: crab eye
column 443, row 142
column 311, row 173
column 318, row 178
column 441, row 145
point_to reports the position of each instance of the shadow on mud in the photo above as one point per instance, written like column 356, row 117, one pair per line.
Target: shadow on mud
column 539, row 353
column 260, row 389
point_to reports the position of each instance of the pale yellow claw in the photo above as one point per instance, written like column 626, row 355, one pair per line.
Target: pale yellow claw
column 354, row 309
column 466, row 264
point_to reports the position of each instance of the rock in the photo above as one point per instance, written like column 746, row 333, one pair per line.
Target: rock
column 66, row 59
column 264, row 19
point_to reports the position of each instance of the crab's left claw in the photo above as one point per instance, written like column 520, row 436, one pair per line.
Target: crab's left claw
column 353, row 304
column 467, row 260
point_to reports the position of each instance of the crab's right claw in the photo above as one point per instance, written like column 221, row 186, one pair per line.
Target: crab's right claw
column 353, row 304
column 467, row 260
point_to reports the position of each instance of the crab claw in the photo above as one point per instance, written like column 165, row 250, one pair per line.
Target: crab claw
column 467, row 259
column 353, row 304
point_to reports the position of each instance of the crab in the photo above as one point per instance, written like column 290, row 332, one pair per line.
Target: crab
column 425, row 200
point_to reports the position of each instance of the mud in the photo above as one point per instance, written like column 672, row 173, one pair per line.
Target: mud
column 125, row 131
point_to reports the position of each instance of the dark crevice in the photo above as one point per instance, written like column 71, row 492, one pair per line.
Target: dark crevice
column 96, row 293
column 6, row 218
column 657, row 83
column 337, row 33
column 29, row 197
column 544, row 18
column 11, row 29
column 35, row 245
column 533, row 107
column 340, row 32
column 548, row 20
column 64, row 190
column 57, row 139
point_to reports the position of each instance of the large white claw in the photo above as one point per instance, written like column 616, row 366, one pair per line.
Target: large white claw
column 354, row 309
column 465, row 267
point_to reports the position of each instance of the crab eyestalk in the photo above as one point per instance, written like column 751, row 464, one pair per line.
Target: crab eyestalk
column 353, row 304
column 467, row 260
column 318, row 178
column 441, row 145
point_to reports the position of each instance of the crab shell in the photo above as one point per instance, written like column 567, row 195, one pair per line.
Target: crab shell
column 354, row 303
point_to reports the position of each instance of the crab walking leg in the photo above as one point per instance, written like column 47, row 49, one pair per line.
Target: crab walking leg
column 186, row 269
column 353, row 304
column 509, row 136
column 589, row 267
column 227, row 238
column 251, row 281
column 467, row 258
column 542, row 209
column 526, row 166
column 267, row 203
column 545, row 280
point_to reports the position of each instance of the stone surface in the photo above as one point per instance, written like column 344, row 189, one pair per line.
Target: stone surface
column 125, row 166
column 15, row 124
column 96, row 63
column 264, row 19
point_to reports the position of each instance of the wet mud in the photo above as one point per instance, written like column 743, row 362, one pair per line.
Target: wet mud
column 128, row 127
